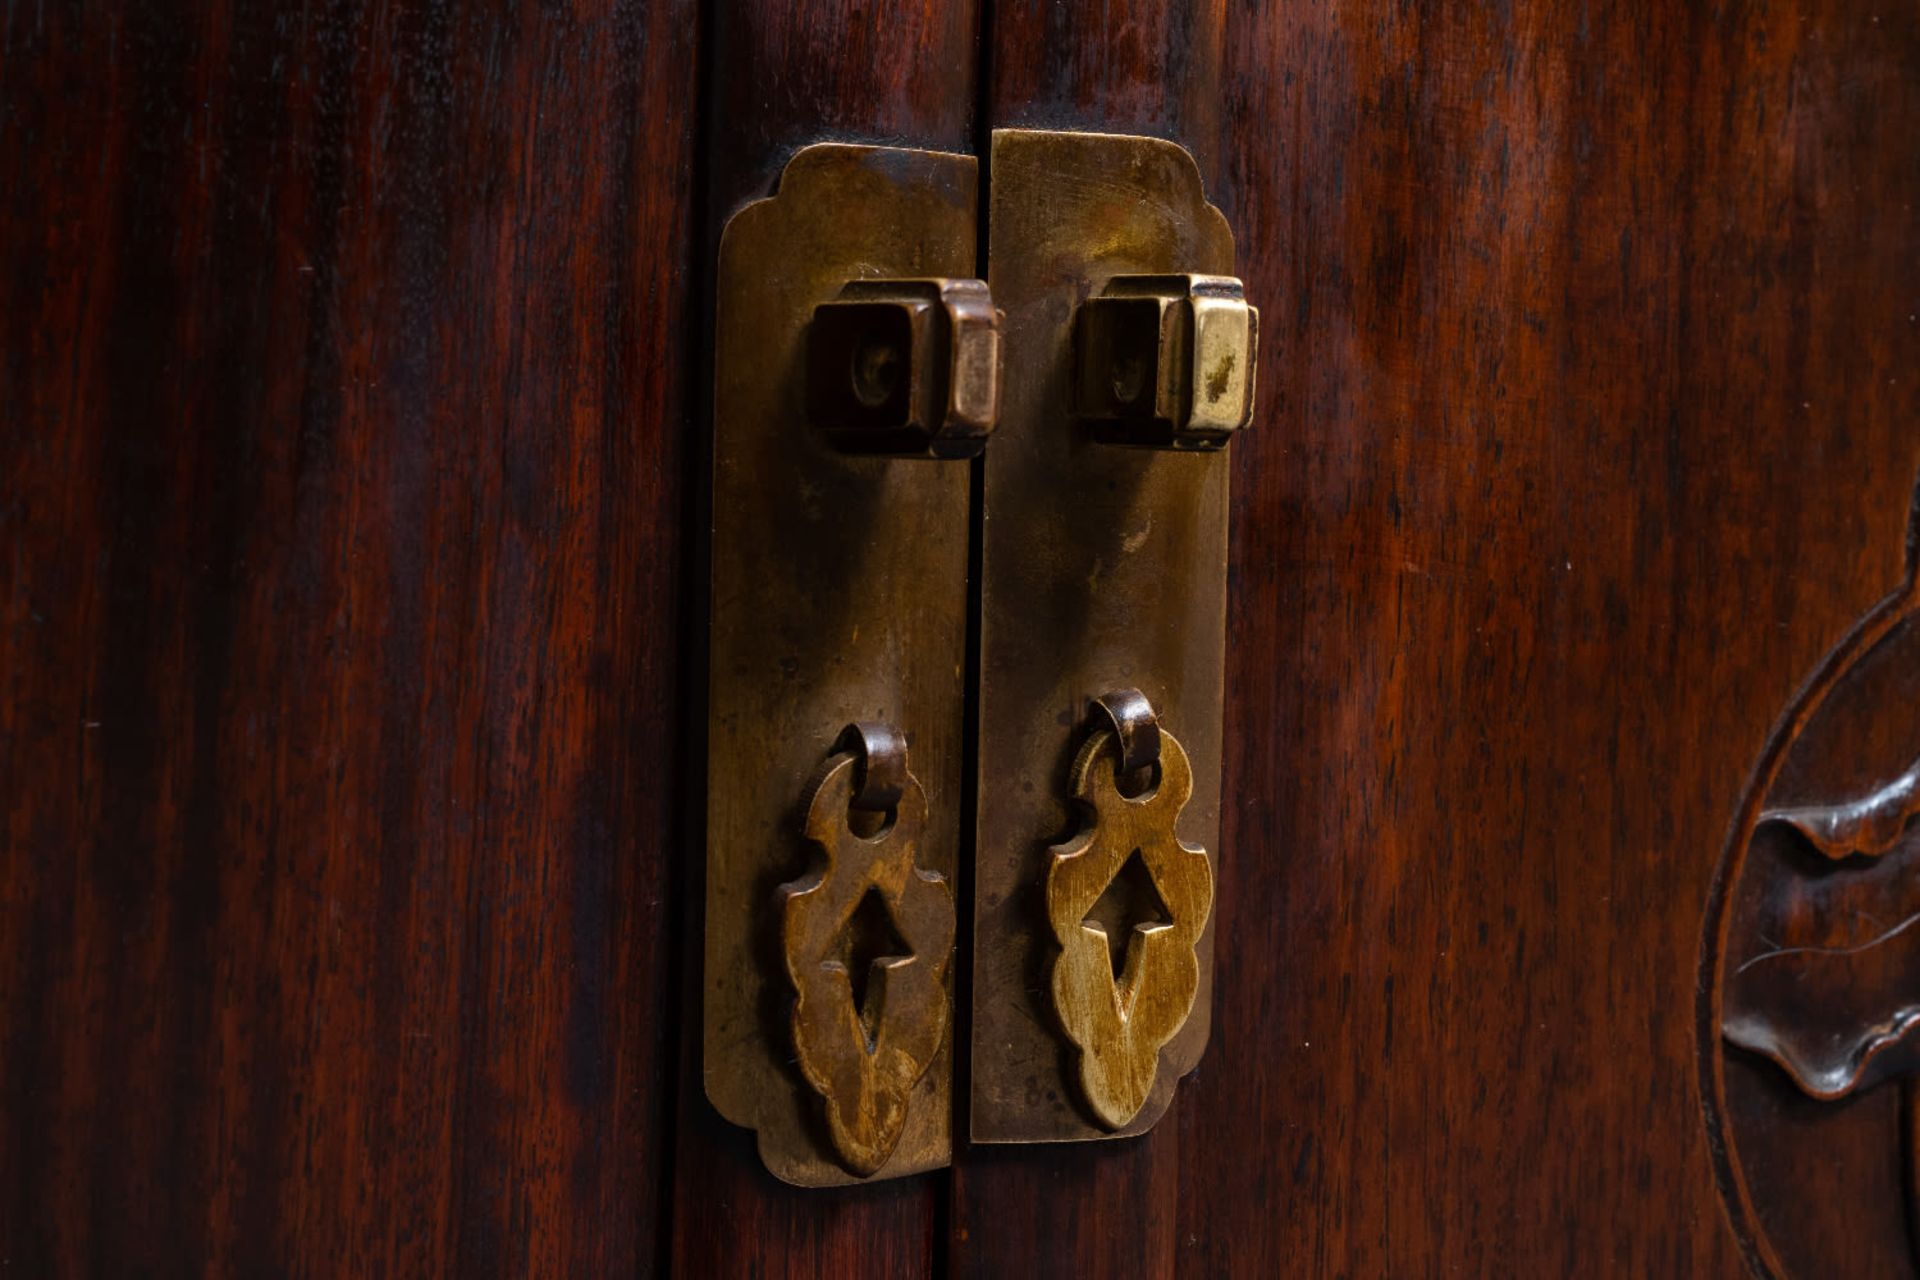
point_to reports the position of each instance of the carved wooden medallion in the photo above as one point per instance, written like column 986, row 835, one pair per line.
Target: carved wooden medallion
column 1833, row 995
column 866, row 938
column 1810, row 1015
column 1125, row 979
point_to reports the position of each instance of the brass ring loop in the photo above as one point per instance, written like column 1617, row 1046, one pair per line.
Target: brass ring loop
column 879, row 766
column 1136, row 729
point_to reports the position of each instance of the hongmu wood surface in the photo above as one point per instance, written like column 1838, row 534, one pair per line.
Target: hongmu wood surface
column 344, row 381
column 347, row 489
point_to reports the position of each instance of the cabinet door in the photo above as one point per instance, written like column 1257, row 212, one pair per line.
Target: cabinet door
column 1587, row 428
column 352, row 502
column 344, row 388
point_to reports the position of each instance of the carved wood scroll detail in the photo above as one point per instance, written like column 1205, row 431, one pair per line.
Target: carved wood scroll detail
column 1811, row 965
column 1868, row 826
column 1119, row 1025
column 863, row 1055
column 1834, row 997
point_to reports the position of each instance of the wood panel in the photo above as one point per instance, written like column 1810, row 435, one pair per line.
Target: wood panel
column 1586, row 428
column 349, row 617
column 900, row 72
column 340, row 479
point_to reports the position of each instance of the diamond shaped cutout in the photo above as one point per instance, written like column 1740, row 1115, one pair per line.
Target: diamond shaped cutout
column 865, row 943
column 1130, row 902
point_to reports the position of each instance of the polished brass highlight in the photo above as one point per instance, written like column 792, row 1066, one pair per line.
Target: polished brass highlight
column 1136, row 729
column 906, row 367
column 1166, row 362
column 839, row 594
column 866, row 936
column 1125, row 978
column 1103, row 567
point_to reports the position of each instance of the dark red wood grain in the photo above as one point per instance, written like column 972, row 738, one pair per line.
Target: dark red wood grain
column 341, row 484
column 350, row 619
column 1587, row 426
column 783, row 76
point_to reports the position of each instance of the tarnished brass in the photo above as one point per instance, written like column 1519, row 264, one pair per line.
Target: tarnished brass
column 1166, row 362
column 850, row 346
column 866, row 936
column 1135, row 727
column 1103, row 567
column 1124, row 985
column 908, row 367
column 839, row 594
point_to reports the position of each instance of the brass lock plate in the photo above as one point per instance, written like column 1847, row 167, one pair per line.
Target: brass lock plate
column 1104, row 567
column 839, row 595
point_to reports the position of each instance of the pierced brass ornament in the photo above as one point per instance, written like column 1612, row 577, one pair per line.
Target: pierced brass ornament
column 1121, row 999
column 866, row 937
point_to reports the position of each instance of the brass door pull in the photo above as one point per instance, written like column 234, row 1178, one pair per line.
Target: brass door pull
column 1127, row 902
column 865, row 936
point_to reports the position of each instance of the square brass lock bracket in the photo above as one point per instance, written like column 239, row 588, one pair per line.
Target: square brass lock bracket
column 1166, row 362
column 906, row 367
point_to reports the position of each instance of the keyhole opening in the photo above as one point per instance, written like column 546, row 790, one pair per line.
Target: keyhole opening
column 866, row 943
column 877, row 363
column 1131, row 900
column 1129, row 378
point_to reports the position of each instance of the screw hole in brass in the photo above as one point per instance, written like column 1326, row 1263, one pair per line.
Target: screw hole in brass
column 876, row 365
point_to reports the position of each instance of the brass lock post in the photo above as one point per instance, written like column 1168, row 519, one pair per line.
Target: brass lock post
column 1166, row 362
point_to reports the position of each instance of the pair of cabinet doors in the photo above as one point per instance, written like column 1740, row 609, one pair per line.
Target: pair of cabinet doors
column 353, row 486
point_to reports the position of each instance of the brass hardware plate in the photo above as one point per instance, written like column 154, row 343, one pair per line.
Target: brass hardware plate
column 1103, row 567
column 839, row 594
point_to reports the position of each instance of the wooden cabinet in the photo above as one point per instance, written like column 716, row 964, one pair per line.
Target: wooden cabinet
column 353, row 369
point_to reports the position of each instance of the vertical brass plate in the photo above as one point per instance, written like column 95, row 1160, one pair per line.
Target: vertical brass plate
column 839, row 595
column 1104, row 567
